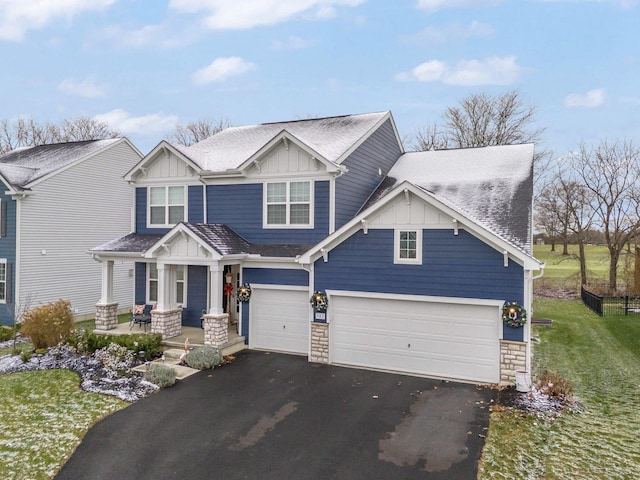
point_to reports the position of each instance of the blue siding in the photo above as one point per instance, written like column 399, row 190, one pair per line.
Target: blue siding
column 452, row 266
column 8, row 251
column 379, row 151
column 240, row 207
column 275, row 276
column 196, row 204
column 196, row 295
column 141, row 283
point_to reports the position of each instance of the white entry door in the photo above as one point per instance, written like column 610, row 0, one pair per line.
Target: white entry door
column 279, row 319
column 446, row 340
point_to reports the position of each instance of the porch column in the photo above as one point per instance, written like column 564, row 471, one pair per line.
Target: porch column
column 166, row 319
column 106, row 308
column 165, row 299
column 215, row 282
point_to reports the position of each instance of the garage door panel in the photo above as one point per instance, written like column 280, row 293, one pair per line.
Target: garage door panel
column 280, row 320
column 436, row 339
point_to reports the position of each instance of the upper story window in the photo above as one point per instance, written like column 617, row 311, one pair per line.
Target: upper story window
column 166, row 205
column 408, row 247
column 288, row 204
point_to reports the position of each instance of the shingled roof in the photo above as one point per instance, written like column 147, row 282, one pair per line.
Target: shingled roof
column 491, row 185
column 23, row 166
column 330, row 137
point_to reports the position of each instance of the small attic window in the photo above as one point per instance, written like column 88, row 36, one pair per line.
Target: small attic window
column 166, row 206
column 408, row 247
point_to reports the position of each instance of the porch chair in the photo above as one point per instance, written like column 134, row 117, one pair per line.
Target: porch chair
column 141, row 315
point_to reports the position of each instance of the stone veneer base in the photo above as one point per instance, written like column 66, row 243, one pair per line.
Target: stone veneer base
column 106, row 316
column 319, row 342
column 167, row 323
column 216, row 330
column 513, row 357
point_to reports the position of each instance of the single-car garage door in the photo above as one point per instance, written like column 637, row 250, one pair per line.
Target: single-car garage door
column 421, row 337
column 279, row 319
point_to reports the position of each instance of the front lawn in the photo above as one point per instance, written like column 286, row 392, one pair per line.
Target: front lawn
column 601, row 356
column 45, row 415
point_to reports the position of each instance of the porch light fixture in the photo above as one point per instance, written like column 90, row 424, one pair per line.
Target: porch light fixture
column 244, row 293
column 228, row 277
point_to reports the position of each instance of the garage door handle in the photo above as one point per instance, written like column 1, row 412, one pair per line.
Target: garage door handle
column 284, row 326
column 408, row 345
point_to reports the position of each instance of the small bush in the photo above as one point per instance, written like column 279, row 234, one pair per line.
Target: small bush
column 25, row 356
column 203, row 358
column 555, row 386
column 6, row 333
column 78, row 340
column 148, row 343
column 160, row 375
column 116, row 359
column 48, row 324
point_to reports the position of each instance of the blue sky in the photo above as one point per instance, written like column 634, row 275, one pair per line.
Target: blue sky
column 144, row 65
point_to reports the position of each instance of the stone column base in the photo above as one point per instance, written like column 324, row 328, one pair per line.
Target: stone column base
column 168, row 323
column 216, row 330
column 106, row 316
column 319, row 342
column 513, row 357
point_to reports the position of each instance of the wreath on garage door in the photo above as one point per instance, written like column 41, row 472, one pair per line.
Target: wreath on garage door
column 514, row 314
column 319, row 301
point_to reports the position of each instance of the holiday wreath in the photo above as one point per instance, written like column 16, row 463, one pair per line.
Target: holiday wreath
column 514, row 314
column 319, row 301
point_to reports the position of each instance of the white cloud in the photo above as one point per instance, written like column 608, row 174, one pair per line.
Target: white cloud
column 490, row 71
column 234, row 14
column 87, row 88
column 221, row 69
column 153, row 123
column 18, row 16
column 290, row 43
column 434, row 5
column 161, row 35
column 452, row 31
column 591, row 99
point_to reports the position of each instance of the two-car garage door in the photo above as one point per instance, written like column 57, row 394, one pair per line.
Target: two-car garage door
column 447, row 340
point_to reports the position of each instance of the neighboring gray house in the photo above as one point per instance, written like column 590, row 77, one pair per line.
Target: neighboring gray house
column 58, row 201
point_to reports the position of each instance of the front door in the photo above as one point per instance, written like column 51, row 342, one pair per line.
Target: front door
column 196, row 289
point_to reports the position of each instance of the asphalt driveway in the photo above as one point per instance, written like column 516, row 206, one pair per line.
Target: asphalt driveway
column 273, row 416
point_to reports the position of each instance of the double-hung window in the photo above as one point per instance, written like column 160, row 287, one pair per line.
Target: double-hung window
column 152, row 284
column 166, row 205
column 4, row 272
column 408, row 247
column 288, row 204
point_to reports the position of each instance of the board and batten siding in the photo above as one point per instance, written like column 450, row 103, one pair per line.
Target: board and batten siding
column 379, row 151
column 241, row 208
column 68, row 213
column 459, row 266
column 8, row 252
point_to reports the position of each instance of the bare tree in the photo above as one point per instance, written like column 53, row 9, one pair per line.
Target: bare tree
column 26, row 132
column 194, row 132
column 610, row 172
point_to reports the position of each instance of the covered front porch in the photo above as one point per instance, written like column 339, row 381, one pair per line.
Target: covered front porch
column 183, row 277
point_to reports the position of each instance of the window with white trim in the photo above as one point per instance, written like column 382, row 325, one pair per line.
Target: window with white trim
column 166, row 205
column 3, row 280
column 408, row 247
column 288, row 204
column 152, row 284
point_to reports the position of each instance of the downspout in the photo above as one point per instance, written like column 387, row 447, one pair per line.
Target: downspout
column 17, row 269
column 530, row 310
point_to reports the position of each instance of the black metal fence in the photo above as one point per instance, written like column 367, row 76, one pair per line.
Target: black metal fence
column 611, row 305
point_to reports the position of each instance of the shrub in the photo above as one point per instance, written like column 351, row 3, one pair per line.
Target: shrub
column 148, row 343
column 555, row 386
column 48, row 324
column 203, row 358
column 160, row 375
column 117, row 360
column 78, row 340
column 25, row 356
column 6, row 333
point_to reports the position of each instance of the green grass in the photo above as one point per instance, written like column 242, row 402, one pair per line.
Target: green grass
column 45, row 415
column 601, row 356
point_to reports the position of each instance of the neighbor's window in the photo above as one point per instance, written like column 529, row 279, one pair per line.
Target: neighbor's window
column 3, row 281
column 166, row 205
column 408, row 246
column 288, row 204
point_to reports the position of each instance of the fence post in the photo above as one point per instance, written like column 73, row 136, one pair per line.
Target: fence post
column 626, row 304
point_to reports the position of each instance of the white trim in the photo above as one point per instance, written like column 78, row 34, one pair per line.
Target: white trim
column 159, row 149
column 396, row 247
column 332, row 205
column 185, row 205
column 3, row 261
column 16, row 268
column 266, row 286
column 288, row 224
column 285, row 263
column 418, row 298
column 147, row 295
column 185, row 274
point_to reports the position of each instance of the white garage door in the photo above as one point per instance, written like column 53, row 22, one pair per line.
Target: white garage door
column 279, row 320
column 427, row 338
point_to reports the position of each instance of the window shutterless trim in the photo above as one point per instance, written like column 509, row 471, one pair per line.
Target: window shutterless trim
column 418, row 247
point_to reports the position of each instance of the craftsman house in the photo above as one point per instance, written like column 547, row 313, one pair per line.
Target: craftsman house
column 58, row 201
column 412, row 254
